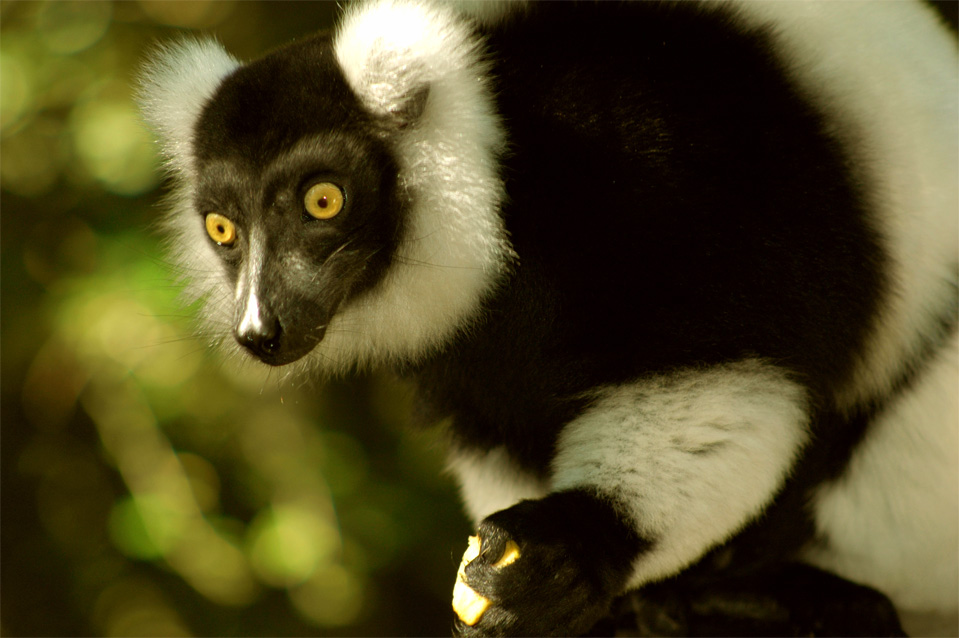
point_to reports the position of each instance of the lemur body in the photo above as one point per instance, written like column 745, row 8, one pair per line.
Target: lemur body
column 682, row 278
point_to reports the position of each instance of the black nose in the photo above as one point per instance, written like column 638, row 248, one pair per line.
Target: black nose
column 263, row 340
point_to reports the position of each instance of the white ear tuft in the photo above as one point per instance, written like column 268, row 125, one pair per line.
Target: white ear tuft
column 391, row 50
column 175, row 84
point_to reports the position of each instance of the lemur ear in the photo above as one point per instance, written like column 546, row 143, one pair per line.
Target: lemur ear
column 407, row 60
column 410, row 108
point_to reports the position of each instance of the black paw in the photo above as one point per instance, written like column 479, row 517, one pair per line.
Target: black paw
column 574, row 555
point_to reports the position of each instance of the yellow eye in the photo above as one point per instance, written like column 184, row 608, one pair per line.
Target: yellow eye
column 220, row 229
column 323, row 200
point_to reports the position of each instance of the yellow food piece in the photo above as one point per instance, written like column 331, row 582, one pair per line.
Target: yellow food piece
column 472, row 551
column 510, row 554
column 469, row 605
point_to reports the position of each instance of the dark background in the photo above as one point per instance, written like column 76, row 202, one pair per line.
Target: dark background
column 147, row 488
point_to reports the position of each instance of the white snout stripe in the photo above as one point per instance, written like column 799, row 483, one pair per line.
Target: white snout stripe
column 251, row 321
column 249, row 284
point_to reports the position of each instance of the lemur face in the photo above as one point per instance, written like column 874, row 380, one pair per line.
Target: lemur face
column 297, row 193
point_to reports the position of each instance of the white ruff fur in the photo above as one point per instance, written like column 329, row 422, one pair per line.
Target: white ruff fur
column 174, row 87
column 456, row 249
column 693, row 456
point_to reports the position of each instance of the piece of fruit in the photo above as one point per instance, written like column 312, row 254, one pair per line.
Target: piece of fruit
column 469, row 605
column 510, row 554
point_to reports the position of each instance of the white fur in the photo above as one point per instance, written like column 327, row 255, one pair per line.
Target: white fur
column 251, row 321
column 886, row 75
column 492, row 481
column 892, row 520
column 693, row 455
column 248, row 285
column 456, row 249
column 174, row 87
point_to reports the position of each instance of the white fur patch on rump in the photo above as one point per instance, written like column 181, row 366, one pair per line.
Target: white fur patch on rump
column 892, row 520
column 692, row 456
column 455, row 249
column 884, row 74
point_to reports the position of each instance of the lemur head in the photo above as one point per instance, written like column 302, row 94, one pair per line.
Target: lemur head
column 340, row 195
column 297, row 190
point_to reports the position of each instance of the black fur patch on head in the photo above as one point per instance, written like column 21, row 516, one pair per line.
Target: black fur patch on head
column 265, row 107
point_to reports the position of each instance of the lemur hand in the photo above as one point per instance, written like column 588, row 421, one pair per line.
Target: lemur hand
column 548, row 567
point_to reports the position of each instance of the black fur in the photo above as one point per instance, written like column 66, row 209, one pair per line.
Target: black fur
column 786, row 600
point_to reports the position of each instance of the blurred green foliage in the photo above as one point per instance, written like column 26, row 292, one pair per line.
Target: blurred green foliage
column 147, row 488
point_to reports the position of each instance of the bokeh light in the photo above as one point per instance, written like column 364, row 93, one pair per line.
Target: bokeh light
column 70, row 26
column 289, row 542
column 136, row 607
column 15, row 90
column 197, row 14
column 149, row 487
column 109, row 140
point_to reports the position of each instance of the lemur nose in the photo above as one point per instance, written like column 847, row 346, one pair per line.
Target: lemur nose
column 262, row 339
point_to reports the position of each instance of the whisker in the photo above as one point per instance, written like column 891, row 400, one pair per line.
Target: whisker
column 337, row 251
column 419, row 262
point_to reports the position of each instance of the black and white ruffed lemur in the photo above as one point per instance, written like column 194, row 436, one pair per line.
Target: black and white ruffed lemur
column 680, row 277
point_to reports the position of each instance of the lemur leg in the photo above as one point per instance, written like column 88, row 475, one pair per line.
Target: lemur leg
column 787, row 599
column 648, row 479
